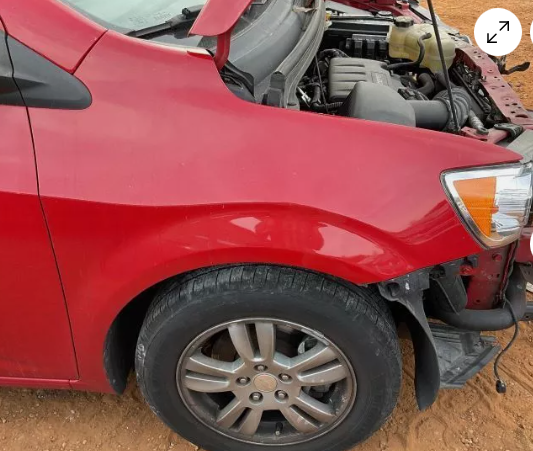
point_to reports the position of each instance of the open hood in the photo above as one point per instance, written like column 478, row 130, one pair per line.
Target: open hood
column 219, row 16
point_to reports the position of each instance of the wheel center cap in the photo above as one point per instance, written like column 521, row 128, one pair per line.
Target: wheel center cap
column 265, row 383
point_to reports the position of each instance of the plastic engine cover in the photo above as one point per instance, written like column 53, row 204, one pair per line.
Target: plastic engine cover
column 344, row 73
column 378, row 103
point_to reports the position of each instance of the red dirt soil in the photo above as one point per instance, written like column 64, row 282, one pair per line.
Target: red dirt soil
column 464, row 14
column 473, row 419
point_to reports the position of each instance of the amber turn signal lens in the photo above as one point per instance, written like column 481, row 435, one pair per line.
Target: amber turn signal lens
column 478, row 196
column 493, row 202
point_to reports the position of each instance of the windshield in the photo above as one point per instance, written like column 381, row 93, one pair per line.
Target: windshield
column 131, row 14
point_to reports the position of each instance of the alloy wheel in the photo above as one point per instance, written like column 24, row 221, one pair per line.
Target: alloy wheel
column 266, row 381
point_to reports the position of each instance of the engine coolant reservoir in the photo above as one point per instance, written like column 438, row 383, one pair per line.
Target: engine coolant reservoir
column 403, row 43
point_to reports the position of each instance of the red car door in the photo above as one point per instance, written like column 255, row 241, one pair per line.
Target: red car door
column 35, row 337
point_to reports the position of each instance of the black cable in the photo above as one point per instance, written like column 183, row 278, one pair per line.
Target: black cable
column 316, row 95
column 321, row 84
column 327, row 106
column 332, row 53
column 421, row 55
column 443, row 62
column 501, row 387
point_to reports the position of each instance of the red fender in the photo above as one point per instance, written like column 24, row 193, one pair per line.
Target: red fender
column 167, row 171
column 52, row 29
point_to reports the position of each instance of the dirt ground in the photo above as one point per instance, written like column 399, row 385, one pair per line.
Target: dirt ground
column 473, row 419
column 464, row 14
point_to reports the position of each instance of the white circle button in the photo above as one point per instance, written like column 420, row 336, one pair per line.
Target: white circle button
column 498, row 32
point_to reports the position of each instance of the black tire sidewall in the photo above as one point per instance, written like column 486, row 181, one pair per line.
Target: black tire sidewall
column 369, row 350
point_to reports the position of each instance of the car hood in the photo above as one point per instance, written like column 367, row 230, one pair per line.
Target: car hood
column 219, row 16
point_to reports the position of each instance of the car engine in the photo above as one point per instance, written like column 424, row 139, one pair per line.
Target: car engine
column 373, row 63
column 377, row 66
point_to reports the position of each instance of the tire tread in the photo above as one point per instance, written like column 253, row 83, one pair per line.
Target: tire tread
column 356, row 300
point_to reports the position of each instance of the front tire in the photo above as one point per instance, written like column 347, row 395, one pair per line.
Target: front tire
column 247, row 357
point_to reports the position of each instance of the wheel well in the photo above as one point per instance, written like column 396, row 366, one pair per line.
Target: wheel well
column 121, row 339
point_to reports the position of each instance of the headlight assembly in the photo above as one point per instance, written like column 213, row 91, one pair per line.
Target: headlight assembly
column 493, row 202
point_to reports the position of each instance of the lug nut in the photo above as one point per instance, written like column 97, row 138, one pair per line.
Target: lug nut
column 243, row 380
column 285, row 377
column 281, row 395
column 260, row 368
column 256, row 397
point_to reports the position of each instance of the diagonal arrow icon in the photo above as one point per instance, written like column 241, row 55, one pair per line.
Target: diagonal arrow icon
column 491, row 40
column 506, row 24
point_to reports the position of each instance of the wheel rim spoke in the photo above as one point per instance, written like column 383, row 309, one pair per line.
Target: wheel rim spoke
column 259, row 364
column 315, row 357
column 199, row 363
column 240, row 337
column 229, row 415
column 325, row 375
column 298, row 420
column 206, row 384
column 266, row 338
column 320, row 411
column 251, row 422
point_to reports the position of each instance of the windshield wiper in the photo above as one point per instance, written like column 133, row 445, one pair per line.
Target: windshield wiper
column 187, row 17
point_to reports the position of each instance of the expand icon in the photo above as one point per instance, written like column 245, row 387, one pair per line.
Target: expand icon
column 498, row 32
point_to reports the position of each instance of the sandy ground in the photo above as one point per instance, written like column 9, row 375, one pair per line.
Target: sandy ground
column 464, row 14
column 475, row 418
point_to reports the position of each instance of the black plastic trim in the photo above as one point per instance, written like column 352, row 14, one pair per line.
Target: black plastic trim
column 9, row 92
column 496, row 319
column 42, row 84
column 408, row 292
column 298, row 61
column 528, row 316
column 462, row 354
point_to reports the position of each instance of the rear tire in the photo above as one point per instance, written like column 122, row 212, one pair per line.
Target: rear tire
column 210, row 311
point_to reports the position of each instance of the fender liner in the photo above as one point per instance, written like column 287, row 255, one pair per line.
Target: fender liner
column 408, row 292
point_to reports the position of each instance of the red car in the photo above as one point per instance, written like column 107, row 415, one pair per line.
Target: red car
column 242, row 200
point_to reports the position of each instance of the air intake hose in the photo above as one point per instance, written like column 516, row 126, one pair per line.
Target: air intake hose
column 436, row 114
column 489, row 320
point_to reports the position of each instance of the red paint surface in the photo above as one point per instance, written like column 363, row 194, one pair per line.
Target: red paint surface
column 183, row 175
column 484, row 287
column 523, row 252
column 52, row 29
column 35, row 339
column 53, row 384
column 501, row 92
column 223, row 49
column 397, row 8
column 218, row 17
column 167, row 171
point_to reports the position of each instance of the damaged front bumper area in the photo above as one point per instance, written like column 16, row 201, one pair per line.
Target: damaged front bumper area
column 448, row 355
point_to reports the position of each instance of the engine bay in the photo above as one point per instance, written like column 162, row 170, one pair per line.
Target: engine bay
column 385, row 65
column 381, row 67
